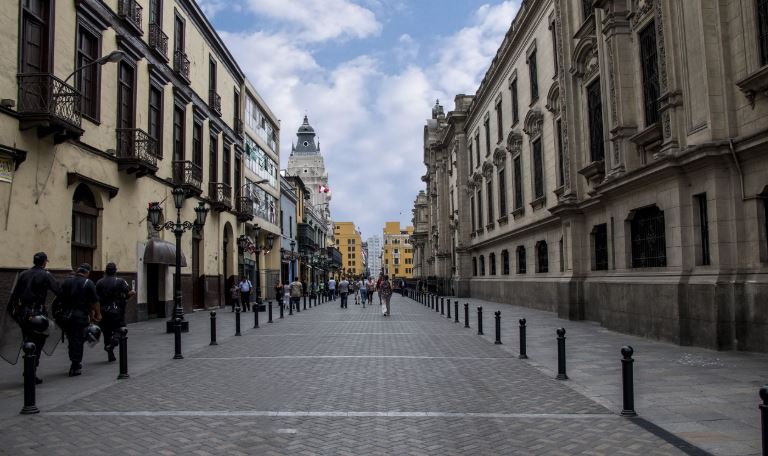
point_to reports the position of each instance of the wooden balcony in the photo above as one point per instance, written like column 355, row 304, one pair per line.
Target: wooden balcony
column 130, row 11
column 158, row 41
column 214, row 102
column 181, row 65
column 50, row 105
column 244, row 209
column 189, row 176
column 220, row 196
column 136, row 152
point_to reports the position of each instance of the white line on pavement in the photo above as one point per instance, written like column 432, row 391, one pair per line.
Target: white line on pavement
column 347, row 356
column 256, row 413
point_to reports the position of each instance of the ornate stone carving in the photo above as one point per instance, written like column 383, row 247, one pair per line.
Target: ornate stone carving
column 533, row 123
column 663, row 82
column 640, row 9
column 585, row 60
column 477, row 178
column 563, row 99
column 514, row 142
column 487, row 170
column 499, row 156
column 553, row 98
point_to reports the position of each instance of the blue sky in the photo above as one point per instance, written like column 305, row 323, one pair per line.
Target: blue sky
column 367, row 73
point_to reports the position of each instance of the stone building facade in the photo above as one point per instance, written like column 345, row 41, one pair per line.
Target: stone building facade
column 84, row 147
column 612, row 166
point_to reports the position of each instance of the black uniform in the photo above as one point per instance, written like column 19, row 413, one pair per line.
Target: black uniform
column 78, row 293
column 113, row 293
column 30, row 292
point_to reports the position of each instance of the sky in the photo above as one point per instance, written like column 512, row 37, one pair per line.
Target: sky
column 366, row 73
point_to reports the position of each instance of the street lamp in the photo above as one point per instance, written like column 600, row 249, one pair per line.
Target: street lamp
column 154, row 215
column 112, row 57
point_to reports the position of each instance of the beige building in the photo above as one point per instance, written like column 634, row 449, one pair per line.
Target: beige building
column 612, row 167
column 350, row 245
column 398, row 252
column 85, row 147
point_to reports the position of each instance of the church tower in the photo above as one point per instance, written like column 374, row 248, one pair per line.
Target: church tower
column 307, row 163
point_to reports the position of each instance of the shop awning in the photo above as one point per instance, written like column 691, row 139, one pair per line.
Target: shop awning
column 162, row 252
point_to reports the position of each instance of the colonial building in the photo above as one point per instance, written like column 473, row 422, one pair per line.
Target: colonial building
column 398, row 253
column 612, row 167
column 106, row 107
column 307, row 162
column 288, row 211
column 349, row 243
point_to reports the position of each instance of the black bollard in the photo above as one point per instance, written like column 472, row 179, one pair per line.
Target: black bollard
column 523, row 355
column 305, row 302
column 213, row 329
column 237, row 320
column 442, row 307
column 177, row 339
column 448, row 308
column 269, row 311
column 456, row 311
column 281, row 309
column 627, row 382
column 437, row 304
column 29, row 380
column 298, row 305
column 479, row 320
column 290, row 306
column 498, row 327
column 466, row 315
column 561, row 375
column 123, row 352
column 256, row 316
column 764, row 417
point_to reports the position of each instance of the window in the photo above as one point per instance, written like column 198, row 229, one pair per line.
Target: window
column 34, row 41
column 560, row 163
column 258, row 122
column 533, row 73
column 238, row 170
column 213, row 159
column 477, row 147
column 762, row 30
column 479, row 208
column 649, row 249
column 471, row 164
column 155, row 118
column 211, row 74
column 538, row 171
column 258, row 161
column 474, row 266
column 650, row 66
column 520, row 259
column 125, row 92
column 85, row 215
column 542, row 257
column 225, row 168
column 701, row 204
column 178, row 34
column 505, row 262
column 487, row 126
column 282, row 222
column 472, row 212
column 553, row 29
column 562, row 255
column 489, row 190
column 197, row 144
column 587, row 8
column 595, row 111
column 600, row 246
column 515, row 110
column 88, row 50
column 482, row 265
column 492, row 263
column 502, row 192
column 499, row 121
column 518, row 182
column 178, row 133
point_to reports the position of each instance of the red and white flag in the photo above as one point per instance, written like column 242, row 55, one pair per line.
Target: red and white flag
column 324, row 189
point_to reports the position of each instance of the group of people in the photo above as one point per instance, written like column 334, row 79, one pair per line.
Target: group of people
column 362, row 289
column 78, row 307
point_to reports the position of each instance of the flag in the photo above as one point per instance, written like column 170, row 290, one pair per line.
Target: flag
column 324, row 189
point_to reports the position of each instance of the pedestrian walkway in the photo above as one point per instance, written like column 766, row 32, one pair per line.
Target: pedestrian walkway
column 324, row 381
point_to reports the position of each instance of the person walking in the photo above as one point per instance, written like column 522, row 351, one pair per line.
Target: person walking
column 234, row 296
column 344, row 292
column 385, row 293
column 245, row 294
column 355, row 291
column 28, row 301
column 363, row 291
column 332, row 289
column 113, row 292
column 370, row 288
column 278, row 292
column 81, row 302
column 297, row 291
column 378, row 286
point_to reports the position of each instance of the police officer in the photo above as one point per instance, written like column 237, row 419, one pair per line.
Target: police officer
column 113, row 293
column 29, row 296
column 78, row 295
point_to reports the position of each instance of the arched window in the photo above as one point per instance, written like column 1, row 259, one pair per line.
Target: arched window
column 85, row 215
column 482, row 265
column 474, row 266
column 505, row 262
column 521, row 259
column 492, row 263
column 542, row 257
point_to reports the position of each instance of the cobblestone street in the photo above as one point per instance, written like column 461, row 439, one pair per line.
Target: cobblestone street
column 325, row 381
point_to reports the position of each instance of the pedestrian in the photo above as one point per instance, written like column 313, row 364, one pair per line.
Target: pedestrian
column 370, row 288
column 245, row 294
column 28, row 301
column 355, row 290
column 402, row 287
column 385, row 294
column 278, row 291
column 363, row 291
column 343, row 292
column 234, row 296
column 296, row 290
column 378, row 286
column 113, row 292
column 332, row 289
column 81, row 306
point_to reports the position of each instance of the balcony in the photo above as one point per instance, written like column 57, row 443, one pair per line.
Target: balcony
column 244, row 209
column 214, row 102
column 189, row 176
column 239, row 127
column 130, row 11
column 181, row 64
column 50, row 105
column 158, row 41
column 136, row 152
column 220, row 196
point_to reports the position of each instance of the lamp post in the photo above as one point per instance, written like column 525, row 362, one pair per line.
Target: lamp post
column 114, row 57
column 178, row 227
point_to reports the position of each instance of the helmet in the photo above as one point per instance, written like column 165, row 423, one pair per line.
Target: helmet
column 92, row 334
column 38, row 323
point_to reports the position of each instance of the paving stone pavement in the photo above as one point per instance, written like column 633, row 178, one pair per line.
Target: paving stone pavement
column 326, row 381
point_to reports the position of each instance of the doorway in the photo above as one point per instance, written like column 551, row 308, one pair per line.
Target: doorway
column 155, row 305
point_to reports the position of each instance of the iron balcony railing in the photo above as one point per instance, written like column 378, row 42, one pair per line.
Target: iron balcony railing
column 188, row 174
column 181, row 63
column 214, row 101
column 130, row 10
column 244, row 208
column 158, row 40
column 220, row 195
column 43, row 94
column 134, row 144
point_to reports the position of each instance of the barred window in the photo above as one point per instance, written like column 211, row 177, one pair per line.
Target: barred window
column 487, row 125
column 477, row 147
column 492, row 263
column 600, row 246
column 489, row 190
column 542, row 257
column 538, row 170
column 474, row 266
column 560, row 163
column 595, row 108
column 650, row 66
column 649, row 248
column 502, row 192
column 701, row 203
column 85, row 216
column 499, row 121
column 472, row 211
column 471, row 163
column 534, row 75
column 521, row 259
column 762, row 30
column 515, row 110
column 518, row 170
column 505, row 262
column 479, row 208
column 482, row 265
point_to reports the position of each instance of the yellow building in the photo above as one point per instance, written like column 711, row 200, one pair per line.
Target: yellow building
column 398, row 252
column 350, row 244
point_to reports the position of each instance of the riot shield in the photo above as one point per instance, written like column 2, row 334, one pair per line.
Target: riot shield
column 10, row 332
